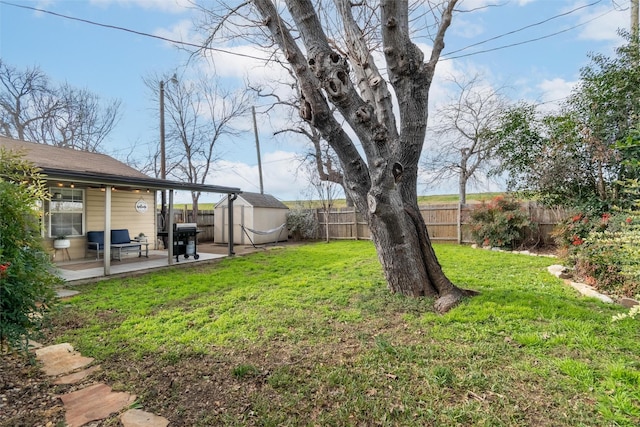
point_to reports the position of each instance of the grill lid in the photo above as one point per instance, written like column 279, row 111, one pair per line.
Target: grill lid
column 185, row 226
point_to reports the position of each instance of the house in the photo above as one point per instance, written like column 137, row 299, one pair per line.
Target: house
column 95, row 192
column 257, row 219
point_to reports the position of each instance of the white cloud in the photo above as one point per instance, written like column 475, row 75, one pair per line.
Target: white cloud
column 468, row 28
column 180, row 31
column 556, row 89
column 172, row 6
column 480, row 5
column 281, row 176
column 602, row 23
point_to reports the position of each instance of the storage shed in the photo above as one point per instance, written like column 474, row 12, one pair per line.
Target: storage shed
column 257, row 218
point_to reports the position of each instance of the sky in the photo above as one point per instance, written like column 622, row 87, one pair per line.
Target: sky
column 532, row 49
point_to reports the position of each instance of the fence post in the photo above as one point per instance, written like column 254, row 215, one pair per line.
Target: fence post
column 355, row 221
column 459, row 225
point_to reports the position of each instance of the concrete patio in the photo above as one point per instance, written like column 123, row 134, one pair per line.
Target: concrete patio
column 89, row 269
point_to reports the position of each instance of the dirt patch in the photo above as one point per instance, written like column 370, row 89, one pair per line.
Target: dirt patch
column 27, row 397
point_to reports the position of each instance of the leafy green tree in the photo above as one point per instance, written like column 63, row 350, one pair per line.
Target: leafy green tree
column 26, row 277
column 582, row 156
column 546, row 157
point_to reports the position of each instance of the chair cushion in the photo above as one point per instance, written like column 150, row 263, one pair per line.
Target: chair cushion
column 120, row 236
column 96, row 237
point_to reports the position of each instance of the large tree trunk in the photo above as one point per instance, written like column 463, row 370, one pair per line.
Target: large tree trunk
column 383, row 183
column 406, row 254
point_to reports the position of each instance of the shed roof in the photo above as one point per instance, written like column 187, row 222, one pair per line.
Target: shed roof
column 258, row 200
column 97, row 169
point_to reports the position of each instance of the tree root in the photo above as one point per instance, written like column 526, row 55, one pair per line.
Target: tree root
column 448, row 301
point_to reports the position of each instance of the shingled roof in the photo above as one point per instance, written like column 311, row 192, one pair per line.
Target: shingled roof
column 95, row 168
column 50, row 157
column 258, row 200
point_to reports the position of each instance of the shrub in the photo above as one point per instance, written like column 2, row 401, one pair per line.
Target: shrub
column 609, row 257
column 499, row 223
column 26, row 280
column 302, row 223
column 573, row 230
column 604, row 250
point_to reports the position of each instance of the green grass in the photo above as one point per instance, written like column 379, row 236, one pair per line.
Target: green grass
column 341, row 203
column 422, row 200
column 309, row 335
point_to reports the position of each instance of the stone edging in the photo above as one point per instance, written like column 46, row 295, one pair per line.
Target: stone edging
column 561, row 272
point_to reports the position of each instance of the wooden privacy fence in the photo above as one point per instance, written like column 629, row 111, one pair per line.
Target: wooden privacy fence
column 445, row 222
column 204, row 221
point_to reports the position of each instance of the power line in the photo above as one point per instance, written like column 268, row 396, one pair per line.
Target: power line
column 527, row 41
column 128, row 30
column 443, row 58
column 544, row 21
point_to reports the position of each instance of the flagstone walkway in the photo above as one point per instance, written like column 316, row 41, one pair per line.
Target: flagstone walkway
column 92, row 402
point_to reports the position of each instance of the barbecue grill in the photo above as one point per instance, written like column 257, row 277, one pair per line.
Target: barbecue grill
column 184, row 240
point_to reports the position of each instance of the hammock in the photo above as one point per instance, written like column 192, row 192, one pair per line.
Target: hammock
column 263, row 233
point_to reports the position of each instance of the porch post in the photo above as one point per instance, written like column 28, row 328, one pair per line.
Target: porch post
column 107, row 231
column 170, row 227
column 231, row 198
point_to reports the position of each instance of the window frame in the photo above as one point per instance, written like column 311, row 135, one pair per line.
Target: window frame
column 82, row 211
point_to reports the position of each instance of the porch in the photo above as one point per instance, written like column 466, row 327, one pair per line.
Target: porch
column 90, row 270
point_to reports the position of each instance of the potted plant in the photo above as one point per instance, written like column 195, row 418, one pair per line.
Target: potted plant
column 141, row 237
column 61, row 242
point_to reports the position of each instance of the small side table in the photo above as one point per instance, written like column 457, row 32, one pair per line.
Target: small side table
column 64, row 251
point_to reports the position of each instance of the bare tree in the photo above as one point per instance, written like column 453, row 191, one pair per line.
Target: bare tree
column 326, row 191
column 32, row 109
column 341, row 73
column 320, row 154
column 199, row 115
column 462, row 146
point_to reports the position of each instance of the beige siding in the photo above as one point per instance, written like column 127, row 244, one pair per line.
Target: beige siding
column 261, row 219
column 268, row 220
column 123, row 215
column 123, row 212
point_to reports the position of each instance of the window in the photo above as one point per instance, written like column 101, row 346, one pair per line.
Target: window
column 66, row 212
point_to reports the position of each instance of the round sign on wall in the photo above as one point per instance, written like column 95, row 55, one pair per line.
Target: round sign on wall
column 141, row 206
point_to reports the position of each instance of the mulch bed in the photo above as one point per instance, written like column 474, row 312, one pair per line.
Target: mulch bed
column 27, row 397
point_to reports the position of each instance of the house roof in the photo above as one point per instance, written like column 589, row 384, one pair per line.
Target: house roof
column 67, row 164
column 258, row 200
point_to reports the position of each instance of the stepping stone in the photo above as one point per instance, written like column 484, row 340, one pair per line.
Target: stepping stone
column 66, row 293
column 61, row 359
column 95, row 402
column 139, row 418
column 77, row 376
column 589, row 291
column 628, row 302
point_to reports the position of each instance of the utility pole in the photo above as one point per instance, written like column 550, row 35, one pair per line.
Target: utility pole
column 255, row 131
column 163, row 165
column 634, row 31
column 634, row 20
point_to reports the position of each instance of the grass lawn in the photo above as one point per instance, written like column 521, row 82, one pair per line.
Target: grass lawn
column 309, row 335
column 341, row 203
